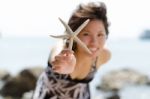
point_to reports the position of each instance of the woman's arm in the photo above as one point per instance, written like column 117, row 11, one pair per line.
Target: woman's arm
column 104, row 57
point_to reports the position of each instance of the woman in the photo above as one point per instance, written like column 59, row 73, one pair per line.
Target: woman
column 69, row 74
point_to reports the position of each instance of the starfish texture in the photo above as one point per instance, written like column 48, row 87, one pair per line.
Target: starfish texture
column 72, row 36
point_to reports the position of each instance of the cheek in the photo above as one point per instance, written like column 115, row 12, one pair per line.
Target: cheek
column 102, row 42
column 85, row 40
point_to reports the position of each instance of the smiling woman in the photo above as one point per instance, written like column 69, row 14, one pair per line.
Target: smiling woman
column 69, row 74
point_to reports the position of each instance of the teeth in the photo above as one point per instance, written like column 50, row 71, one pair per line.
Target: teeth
column 93, row 49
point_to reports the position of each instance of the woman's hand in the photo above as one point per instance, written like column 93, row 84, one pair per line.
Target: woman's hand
column 64, row 63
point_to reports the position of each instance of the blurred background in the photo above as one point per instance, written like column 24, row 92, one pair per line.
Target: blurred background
column 25, row 26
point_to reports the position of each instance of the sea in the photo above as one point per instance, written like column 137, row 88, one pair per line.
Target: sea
column 17, row 54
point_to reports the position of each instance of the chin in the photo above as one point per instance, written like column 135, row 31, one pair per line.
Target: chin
column 94, row 55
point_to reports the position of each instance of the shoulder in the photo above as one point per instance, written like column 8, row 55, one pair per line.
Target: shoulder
column 104, row 57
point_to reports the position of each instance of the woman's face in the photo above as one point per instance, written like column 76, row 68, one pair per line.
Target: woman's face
column 94, row 36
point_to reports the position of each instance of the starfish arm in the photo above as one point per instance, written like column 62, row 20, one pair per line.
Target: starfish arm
column 60, row 36
column 70, row 43
column 82, row 44
column 81, row 27
column 68, row 29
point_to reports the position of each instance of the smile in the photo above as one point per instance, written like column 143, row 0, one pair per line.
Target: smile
column 93, row 49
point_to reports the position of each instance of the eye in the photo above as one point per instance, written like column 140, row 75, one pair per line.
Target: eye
column 85, row 34
column 100, row 35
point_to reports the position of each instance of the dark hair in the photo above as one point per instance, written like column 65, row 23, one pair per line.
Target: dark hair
column 93, row 10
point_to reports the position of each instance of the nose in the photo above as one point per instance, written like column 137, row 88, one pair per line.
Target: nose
column 94, row 40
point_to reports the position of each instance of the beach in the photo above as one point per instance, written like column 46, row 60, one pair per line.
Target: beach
column 17, row 54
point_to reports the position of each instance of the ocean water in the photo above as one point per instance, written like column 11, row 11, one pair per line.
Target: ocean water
column 19, row 53
column 126, row 53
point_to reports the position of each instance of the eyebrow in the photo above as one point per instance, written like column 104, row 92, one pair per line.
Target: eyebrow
column 101, row 31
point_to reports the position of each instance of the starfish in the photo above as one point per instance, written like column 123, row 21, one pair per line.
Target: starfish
column 72, row 36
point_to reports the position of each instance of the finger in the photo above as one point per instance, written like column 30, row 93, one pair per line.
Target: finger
column 58, row 57
column 66, row 52
column 56, row 68
column 61, row 59
column 67, row 57
column 57, row 63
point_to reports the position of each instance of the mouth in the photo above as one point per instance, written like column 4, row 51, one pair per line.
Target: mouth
column 93, row 49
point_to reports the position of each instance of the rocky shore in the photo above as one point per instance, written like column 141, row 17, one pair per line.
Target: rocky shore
column 117, row 80
column 22, row 85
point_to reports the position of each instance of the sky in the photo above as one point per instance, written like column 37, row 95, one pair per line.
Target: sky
column 39, row 18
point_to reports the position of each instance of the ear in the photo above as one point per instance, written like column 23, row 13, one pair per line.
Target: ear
column 104, row 57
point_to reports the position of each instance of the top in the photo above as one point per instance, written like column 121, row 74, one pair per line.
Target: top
column 53, row 85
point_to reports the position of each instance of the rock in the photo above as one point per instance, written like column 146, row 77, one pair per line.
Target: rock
column 18, row 85
column 115, row 80
column 145, row 35
column 36, row 70
column 28, row 95
column 25, row 81
column 4, row 75
column 114, row 96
